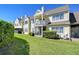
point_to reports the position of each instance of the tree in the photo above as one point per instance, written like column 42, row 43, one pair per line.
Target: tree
column 45, row 17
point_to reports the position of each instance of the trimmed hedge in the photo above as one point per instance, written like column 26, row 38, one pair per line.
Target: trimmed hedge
column 50, row 35
column 6, row 33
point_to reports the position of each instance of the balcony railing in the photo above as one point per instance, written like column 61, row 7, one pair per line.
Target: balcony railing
column 40, row 23
column 17, row 26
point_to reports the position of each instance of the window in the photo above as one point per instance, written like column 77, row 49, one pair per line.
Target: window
column 62, row 16
column 61, row 29
column 25, row 22
column 58, row 29
column 58, row 16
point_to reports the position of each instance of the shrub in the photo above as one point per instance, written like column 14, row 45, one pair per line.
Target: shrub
column 6, row 33
column 31, row 34
column 50, row 35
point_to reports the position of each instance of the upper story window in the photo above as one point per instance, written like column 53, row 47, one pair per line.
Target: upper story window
column 58, row 29
column 58, row 16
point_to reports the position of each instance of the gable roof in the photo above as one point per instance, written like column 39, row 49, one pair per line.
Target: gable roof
column 74, row 18
column 57, row 10
column 76, row 14
column 53, row 11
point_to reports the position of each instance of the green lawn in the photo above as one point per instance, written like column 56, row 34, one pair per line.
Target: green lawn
column 43, row 46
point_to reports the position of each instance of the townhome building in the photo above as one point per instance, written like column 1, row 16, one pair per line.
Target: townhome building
column 60, row 19
column 18, row 25
column 21, row 25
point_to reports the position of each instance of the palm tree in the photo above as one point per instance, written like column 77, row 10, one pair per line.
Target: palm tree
column 45, row 17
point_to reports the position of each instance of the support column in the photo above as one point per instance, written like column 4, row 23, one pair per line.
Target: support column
column 34, row 25
column 70, row 34
column 42, row 25
column 42, row 31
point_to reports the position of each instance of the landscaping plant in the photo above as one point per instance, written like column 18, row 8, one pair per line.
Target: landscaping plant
column 6, row 33
column 50, row 35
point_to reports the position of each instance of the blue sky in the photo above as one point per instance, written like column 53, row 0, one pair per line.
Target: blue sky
column 9, row 12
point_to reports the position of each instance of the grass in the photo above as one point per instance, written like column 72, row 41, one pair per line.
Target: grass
column 43, row 46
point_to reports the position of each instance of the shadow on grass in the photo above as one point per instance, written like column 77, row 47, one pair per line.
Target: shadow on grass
column 17, row 47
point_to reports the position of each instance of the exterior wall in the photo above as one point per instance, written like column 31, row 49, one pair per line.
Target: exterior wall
column 17, row 24
column 66, row 28
column 66, row 32
column 66, row 17
column 26, row 25
column 26, row 29
column 32, row 27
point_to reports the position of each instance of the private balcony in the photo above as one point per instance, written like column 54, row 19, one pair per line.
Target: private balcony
column 40, row 23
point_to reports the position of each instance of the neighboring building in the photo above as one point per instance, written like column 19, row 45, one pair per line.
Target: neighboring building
column 31, row 20
column 18, row 26
column 26, row 25
column 21, row 25
column 61, row 20
column 74, row 21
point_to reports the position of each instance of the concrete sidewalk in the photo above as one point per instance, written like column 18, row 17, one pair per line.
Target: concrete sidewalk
column 75, row 39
